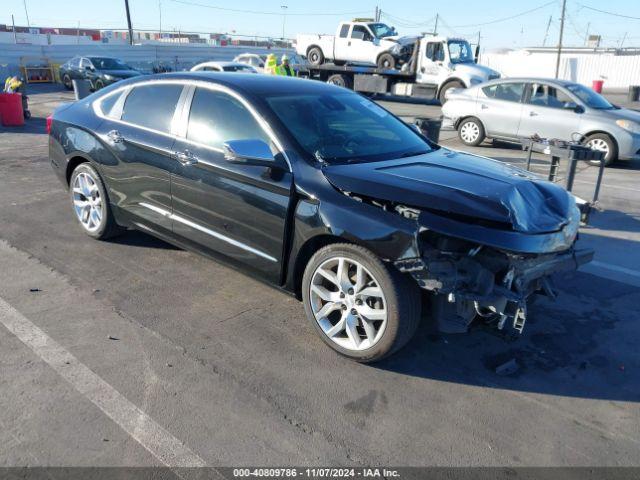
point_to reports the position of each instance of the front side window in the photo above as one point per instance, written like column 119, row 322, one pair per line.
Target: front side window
column 460, row 52
column 435, row 52
column 544, row 95
column 85, row 63
column 105, row 63
column 152, row 106
column 345, row 127
column 510, row 92
column 74, row 62
column 366, row 36
column 217, row 117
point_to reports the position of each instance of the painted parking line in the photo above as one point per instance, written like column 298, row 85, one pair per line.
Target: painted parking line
column 141, row 427
column 613, row 272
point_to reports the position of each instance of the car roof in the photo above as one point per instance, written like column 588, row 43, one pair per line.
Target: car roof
column 223, row 64
column 554, row 81
column 248, row 83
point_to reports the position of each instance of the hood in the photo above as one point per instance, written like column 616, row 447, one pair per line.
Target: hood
column 621, row 114
column 121, row 73
column 406, row 40
column 463, row 186
column 475, row 70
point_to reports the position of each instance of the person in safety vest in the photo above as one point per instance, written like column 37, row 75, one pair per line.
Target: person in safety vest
column 271, row 66
column 285, row 68
column 16, row 85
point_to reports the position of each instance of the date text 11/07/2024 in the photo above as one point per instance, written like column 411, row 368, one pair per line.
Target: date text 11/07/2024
column 316, row 472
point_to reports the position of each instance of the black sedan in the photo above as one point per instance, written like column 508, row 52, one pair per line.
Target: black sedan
column 321, row 192
column 100, row 71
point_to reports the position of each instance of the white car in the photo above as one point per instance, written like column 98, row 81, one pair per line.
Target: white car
column 253, row 59
column 223, row 67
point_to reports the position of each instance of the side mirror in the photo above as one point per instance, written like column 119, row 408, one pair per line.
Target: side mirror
column 88, row 68
column 249, row 152
column 573, row 106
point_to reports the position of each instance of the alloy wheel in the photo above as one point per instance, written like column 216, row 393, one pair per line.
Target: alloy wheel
column 599, row 145
column 87, row 202
column 348, row 303
column 469, row 132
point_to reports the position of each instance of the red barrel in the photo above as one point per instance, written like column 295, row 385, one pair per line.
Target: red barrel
column 11, row 109
column 597, row 86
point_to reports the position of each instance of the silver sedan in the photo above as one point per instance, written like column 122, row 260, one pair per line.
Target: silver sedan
column 509, row 109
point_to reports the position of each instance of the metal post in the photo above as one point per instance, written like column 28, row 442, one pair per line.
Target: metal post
column 126, row 6
column 546, row 32
column 564, row 7
column 284, row 18
column 586, row 35
column 553, row 170
column 571, row 173
column 435, row 29
column 160, row 12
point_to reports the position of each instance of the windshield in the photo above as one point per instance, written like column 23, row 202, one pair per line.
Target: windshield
column 345, row 128
column 238, row 68
column 460, row 52
column 589, row 97
column 381, row 30
column 102, row 63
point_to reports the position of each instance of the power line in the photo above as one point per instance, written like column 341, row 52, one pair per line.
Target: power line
column 609, row 13
column 506, row 18
column 258, row 12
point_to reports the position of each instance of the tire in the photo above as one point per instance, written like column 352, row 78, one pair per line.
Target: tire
column 445, row 88
column 315, row 56
column 386, row 62
column 98, row 85
column 603, row 142
column 86, row 186
column 340, row 80
column 66, row 81
column 396, row 303
column 471, row 132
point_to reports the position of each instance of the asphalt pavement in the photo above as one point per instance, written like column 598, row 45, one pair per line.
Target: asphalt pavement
column 132, row 352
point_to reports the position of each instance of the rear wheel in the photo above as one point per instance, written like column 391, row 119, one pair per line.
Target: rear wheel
column 91, row 204
column 445, row 88
column 340, row 80
column 471, row 131
column 66, row 81
column 386, row 61
column 315, row 56
column 603, row 143
column 361, row 308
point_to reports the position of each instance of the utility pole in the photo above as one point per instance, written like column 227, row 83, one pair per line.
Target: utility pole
column 375, row 16
column 284, row 18
column 160, row 12
column 24, row 2
column 564, row 7
column 126, row 6
column 78, row 33
column 586, row 35
column 435, row 29
column 15, row 36
column 546, row 33
column 623, row 39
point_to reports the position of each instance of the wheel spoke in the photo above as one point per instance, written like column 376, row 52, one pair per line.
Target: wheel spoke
column 325, row 294
column 329, row 275
column 343, row 274
column 368, row 329
column 352, row 331
column 327, row 308
column 337, row 328
column 372, row 313
column 360, row 278
column 371, row 292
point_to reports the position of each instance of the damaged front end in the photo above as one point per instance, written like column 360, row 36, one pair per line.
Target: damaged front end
column 492, row 276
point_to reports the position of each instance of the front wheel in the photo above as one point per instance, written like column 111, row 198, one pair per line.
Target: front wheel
column 90, row 203
column 386, row 62
column 442, row 96
column 360, row 307
column 66, row 81
column 471, row 132
column 603, row 143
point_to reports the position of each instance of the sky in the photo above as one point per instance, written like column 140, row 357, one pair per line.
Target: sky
column 490, row 18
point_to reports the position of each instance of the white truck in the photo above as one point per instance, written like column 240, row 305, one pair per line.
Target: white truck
column 429, row 65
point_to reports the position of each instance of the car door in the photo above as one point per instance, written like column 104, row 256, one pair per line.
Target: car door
column 431, row 71
column 342, row 43
column 545, row 112
column 362, row 49
column 235, row 209
column 499, row 107
column 141, row 139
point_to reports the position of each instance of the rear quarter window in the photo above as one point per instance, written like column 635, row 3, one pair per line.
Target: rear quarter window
column 107, row 105
column 152, row 106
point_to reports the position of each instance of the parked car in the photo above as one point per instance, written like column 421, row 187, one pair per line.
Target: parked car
column 252, row 59
column 100, row 71
column 223, row 67
column 321, row 192
column 514, row 108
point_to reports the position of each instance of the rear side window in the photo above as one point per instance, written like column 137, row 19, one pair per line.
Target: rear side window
column 216, row 118
column 152, row 106
column 344, row 30
column 510, row 92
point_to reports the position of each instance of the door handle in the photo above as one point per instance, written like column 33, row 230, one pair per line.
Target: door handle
column 483, row 106
column 533, row 114
column 349, row 44
column 115, row 136
column 186, row 158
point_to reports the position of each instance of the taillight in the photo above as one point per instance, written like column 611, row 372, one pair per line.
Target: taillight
column 49, row 121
